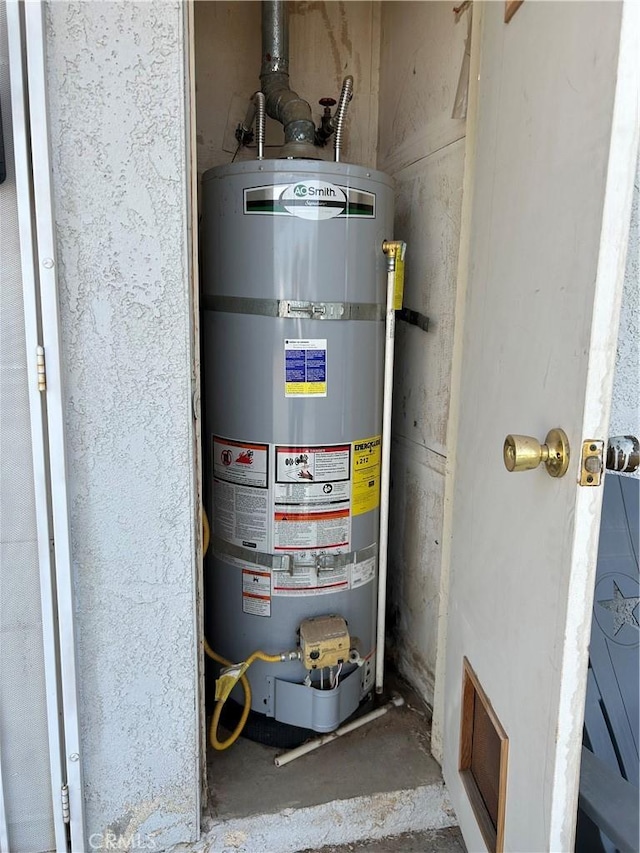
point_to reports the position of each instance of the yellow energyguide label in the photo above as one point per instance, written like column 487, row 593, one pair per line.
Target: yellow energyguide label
column 365, row 474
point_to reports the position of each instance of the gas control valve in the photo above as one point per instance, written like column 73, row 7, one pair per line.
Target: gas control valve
column 324, row 641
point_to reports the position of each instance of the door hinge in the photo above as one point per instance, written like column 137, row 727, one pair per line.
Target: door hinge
column 591, row 462
column 41, row 368
column 64, row 797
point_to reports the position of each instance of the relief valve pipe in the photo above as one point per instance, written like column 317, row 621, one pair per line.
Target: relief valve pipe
column 393, row 249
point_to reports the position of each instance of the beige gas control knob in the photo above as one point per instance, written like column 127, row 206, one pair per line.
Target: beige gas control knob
column 523, row 453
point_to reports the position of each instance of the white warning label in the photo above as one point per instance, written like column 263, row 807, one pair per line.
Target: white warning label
column 368, row 670
column 313, row 464
column 312, row 499
column 364, row 572
column 312, row 532
column 307, row 580
column 256, row 592
column 241, row 463
column 241, row 506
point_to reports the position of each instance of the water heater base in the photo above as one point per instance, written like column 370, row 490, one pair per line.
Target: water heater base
column 271, row 732
column 265, row 730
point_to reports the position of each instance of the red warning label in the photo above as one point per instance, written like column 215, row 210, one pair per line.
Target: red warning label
column 256, row 592
column 301, row 531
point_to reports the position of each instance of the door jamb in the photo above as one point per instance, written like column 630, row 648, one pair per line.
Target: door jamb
column 191, row 217
column 37, row 411
column 437, row 732
column 44, row 263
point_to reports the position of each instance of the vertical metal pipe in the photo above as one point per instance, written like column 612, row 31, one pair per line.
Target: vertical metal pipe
column 275, row 37
column 281, row 102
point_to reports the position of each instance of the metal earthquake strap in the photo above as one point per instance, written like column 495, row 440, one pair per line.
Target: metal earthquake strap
column 294, row 309
column 286, row 563
column 328, row 562
column 276, row 562
column 413, row 318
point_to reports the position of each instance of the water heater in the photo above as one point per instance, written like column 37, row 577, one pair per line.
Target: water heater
column 294, row 288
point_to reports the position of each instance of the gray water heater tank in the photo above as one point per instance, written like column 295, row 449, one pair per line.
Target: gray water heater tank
column 293, row 309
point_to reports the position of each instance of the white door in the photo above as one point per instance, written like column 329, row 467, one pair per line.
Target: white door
column 553, row 125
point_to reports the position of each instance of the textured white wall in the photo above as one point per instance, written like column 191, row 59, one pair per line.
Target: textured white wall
column 420, row 144
column 117, row 96
column 625, row 410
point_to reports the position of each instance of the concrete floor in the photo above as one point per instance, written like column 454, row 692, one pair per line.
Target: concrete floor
column 390, row 754
column 437, row 841
column 376, row 782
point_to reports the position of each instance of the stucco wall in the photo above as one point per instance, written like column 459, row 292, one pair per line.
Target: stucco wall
column 117, row 99
column 625, row 410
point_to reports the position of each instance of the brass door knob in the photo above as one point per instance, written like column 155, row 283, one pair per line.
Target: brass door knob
column 523, row 453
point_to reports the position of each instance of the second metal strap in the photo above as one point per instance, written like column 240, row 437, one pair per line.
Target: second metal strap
column 294, row 309
column 286, row 562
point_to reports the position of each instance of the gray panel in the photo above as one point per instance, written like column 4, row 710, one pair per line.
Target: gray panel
column 24, row 753
column 610, row 802
column 260, row 256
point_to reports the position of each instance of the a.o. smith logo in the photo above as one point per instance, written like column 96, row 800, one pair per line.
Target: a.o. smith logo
column 312, row 199
column 308, row 191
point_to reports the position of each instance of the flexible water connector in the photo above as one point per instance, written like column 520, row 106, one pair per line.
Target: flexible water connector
column 244, row 129
column 345, row 96
column 261, row 118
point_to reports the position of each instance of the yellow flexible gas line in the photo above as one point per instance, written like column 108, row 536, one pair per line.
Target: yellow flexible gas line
column 206, row 533
column 244, row 681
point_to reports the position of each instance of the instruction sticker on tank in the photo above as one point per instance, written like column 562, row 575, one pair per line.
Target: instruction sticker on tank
column 241, row 508
column 368, row 671
column 305, row 367
column 313, row 199
column 307, row 580
column 311, row 532
column 310, row 580
column 366, row 474
column 363, row 573
column 256, row 592
column 312, row 499
column 241, row 463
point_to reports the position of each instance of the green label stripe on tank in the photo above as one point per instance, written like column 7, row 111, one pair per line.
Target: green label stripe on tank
column 267, row 200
